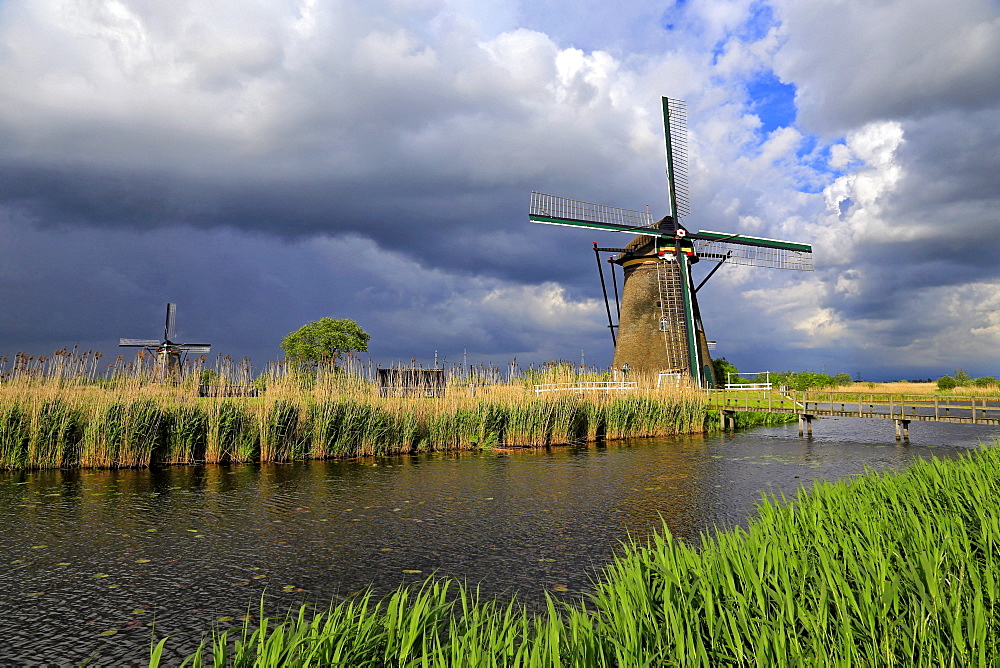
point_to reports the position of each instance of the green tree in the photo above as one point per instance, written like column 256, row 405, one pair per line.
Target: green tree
column 962, row 378
column 946, row 383
column 325, row 339
column 842, row 379
column 722, row 367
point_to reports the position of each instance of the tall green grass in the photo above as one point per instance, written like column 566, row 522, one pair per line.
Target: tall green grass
column 231, row 435
column 186, row 435
column 748, row 419
column 15, row 433
column 55, row 431
column 895, row 569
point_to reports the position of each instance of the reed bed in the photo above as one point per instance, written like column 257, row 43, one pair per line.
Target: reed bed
column 895, row 569
column 49, row 420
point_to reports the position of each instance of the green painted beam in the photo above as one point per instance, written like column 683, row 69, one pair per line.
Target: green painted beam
column 752, row 241
column 610, row 227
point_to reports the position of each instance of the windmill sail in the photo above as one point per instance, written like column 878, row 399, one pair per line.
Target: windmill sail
column 139, row 343
column 675, row 133
column 753, row 251
column 553, row 210
column 169, row 328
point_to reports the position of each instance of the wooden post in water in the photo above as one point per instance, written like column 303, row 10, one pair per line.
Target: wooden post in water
column 805, row 424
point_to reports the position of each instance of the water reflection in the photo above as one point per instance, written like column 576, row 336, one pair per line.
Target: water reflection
column 91, row 558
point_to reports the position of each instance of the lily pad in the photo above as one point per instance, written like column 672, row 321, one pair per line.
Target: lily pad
column 109, row 632
column 139, row 611
column 411, row 570
column 37, row 593
column 38, row 547
column 560, row 588
column 258, row 577
column 100, row 575
column 63, row 563
column 226, row 619
column 241, row 583
column 143, row 561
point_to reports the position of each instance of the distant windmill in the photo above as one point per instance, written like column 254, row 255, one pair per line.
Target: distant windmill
column 659, row 325
column 168, row 352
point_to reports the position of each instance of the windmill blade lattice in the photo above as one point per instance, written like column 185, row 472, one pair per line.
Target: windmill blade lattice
column 675, row 112
column 169, row 329
column 139, row 343
column 770, row 257
column 554, row 210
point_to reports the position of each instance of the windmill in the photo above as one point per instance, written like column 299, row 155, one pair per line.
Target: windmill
column 168, row 352
column 659, row 321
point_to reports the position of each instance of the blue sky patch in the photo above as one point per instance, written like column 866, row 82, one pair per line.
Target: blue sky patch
column 772, row 101
column 760, row 22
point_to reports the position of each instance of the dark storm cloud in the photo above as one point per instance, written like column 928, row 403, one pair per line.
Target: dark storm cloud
column 243, row 293
column 290, row 160
column 857, row 62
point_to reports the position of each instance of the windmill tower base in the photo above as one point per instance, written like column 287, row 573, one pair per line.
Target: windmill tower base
column 647, row 343
column 652, row 334
column 168, row 367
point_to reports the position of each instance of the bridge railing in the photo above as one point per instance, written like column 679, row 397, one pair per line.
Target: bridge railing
column 974, row 409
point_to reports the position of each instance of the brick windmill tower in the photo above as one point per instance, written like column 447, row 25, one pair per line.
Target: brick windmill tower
column 659, row 326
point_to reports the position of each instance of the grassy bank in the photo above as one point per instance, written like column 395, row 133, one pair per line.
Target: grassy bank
column 45, row 426
column 897, row 569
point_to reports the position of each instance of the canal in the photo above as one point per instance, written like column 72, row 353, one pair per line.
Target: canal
column 93, row 560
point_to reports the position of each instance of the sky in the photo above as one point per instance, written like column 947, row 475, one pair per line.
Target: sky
column 266, row 163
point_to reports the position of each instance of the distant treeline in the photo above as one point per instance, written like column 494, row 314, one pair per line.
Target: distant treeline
column 793, row 380
column 962, row 379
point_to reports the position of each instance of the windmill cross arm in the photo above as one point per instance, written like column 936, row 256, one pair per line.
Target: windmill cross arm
column 591, row 225
column 745, row 240
column 196, row 347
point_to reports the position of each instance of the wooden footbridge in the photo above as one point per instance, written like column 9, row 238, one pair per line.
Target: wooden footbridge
column 900, row 408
